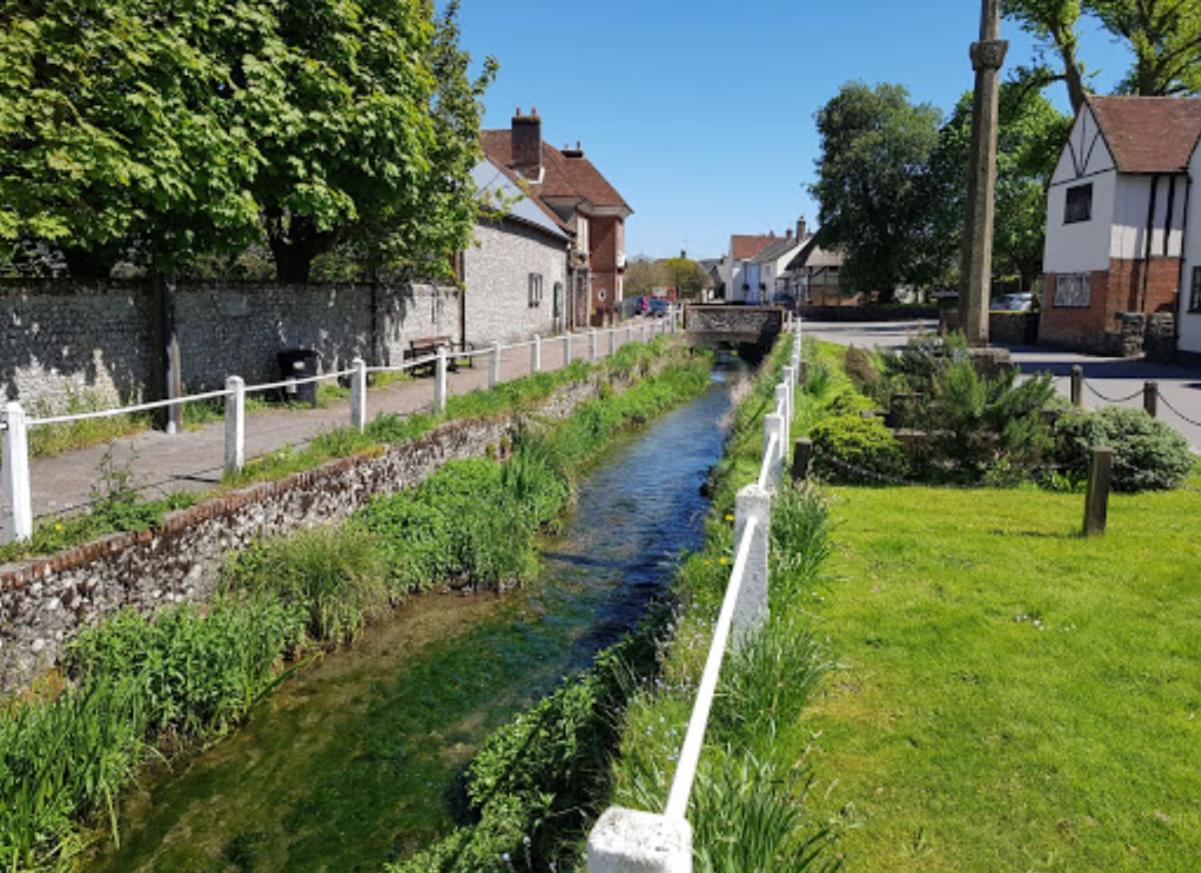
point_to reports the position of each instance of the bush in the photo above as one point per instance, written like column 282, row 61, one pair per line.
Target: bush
column 861, row 368
column 845, row 441
column 1148, row 454
column 333, row 575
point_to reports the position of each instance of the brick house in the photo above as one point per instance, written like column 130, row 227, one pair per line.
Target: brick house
column 516, row 275
column 1117, row 213
column 567, row 188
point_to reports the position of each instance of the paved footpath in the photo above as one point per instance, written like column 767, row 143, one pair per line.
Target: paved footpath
column 1106, row 379
column 192, row 460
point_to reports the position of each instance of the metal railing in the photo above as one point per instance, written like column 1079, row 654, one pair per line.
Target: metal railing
column 625, row 840
column 16, row 502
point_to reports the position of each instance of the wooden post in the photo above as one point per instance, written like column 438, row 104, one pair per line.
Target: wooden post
column 802, row 458
column 1077, row 386
column 1151, row 398
column 1096, row 500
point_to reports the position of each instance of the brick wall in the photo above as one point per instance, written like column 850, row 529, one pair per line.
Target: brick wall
column 1128, row 286
column 496, row 278
column 95, row 342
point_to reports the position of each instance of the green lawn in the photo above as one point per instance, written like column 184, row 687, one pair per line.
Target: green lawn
column 1009, row 696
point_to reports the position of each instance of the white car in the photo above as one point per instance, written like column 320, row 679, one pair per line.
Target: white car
column 1021, row 302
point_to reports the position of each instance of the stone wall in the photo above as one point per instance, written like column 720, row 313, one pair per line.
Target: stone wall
column 750, row 324
column 496, row 275
column 1013, row 328
column 65, row 344
column 43, row 602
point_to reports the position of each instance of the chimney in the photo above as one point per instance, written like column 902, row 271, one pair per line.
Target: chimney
column 802, row 229
column 788, row 233
column 683, row 254
column 577, row 152
column 527, row 144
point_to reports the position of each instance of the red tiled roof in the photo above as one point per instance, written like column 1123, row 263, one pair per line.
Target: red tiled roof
column 1149, row 134
column 743, row 247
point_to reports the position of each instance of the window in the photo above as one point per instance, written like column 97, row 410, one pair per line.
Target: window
column 1194, row 300
column 535, row 289
column 558, row 300
column 1073, row 290
column 1079, row 204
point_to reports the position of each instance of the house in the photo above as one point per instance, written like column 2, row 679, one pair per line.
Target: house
column 754, row 263
column 769, row 267
column 743, row 247
column 567, row 188
column 516, row 275
column 814, row 276
column 1118, row 213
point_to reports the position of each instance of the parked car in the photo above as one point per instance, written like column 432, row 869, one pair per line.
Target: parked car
column 1020, row 302
column 658, row 307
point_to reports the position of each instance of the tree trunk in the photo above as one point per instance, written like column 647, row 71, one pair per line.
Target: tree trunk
column 295, row 241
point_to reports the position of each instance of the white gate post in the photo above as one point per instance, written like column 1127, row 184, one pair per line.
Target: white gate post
column 536, row 355
column 593, row 345
column 440, row 381
column 751, row 610
column 494, row 373
column 566, row 348
column 235, row 424
column 358, row 395
column 16, row 502
column 627, row 841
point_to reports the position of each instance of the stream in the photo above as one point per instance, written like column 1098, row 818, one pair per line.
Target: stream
column 357, row 759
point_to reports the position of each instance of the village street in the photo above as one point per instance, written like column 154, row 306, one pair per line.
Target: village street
column 1106, row 379
column 192, row 460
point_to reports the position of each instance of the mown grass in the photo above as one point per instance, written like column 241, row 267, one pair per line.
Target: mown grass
column 191, row 673
column 1010, row 695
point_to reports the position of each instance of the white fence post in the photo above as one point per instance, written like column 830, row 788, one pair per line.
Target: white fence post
column 440, row 382
column 612, row 340
column 536, row 355
column 593, row 345
column 784, row 404
column 566, row 348
column 629, row 332
column 773, row 425
column 16, row 502
column 627, row 841
column 358, row 395
column 494, row 373
column 235, row 424
column 751, row 610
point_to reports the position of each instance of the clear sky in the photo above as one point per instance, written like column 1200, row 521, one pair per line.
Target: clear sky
column 701, row 112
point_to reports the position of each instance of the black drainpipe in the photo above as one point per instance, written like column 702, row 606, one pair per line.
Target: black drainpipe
column 1150, row 232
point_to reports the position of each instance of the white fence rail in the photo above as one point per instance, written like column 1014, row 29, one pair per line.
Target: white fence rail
column 16, row 502
column 632, row 841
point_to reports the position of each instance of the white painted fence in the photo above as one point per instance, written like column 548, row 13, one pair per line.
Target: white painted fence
column 632, row 841
column 16, row 506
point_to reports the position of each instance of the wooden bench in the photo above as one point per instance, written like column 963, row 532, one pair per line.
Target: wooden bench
column 428, row 346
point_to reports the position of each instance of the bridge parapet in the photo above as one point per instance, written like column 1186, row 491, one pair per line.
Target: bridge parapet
column 714, row 324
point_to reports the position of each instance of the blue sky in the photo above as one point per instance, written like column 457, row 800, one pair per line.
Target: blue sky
column 701, row 112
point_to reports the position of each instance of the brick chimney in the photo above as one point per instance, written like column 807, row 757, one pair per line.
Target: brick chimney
column 788, row 233
column 802, row 229
column 527, row 143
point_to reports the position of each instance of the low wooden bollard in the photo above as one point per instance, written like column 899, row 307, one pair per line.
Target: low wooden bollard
column 802, row 458
column 1151, row 398
column 1077, row 385
column 1096, row 500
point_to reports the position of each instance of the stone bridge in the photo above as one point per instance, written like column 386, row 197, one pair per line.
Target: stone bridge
column 744, row 326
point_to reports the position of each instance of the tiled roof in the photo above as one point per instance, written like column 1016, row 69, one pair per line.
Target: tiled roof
column 562, row 176
column 777, row 249
column 812, row 255
column 743, row 247
column 1149, row 134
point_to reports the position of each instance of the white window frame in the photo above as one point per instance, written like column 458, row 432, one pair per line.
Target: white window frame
column 535, row 290
column 1073, row 290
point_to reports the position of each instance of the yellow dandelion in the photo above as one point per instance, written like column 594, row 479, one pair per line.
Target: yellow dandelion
column 58, row 526
column 723, row 560
column 729, row 517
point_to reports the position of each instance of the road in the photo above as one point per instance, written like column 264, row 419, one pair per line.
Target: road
column 1106, row 379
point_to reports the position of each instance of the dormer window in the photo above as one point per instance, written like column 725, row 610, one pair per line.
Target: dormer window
column 1079, row 205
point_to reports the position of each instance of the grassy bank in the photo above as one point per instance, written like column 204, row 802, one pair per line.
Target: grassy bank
column 117, row 506
column 191, row 673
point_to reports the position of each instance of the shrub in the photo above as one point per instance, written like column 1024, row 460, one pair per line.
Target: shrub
column 1148, row 454
column 861, row 368
column 334, row 575
column 851, row 441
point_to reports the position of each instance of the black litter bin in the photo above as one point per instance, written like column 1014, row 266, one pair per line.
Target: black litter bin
column 299, row 364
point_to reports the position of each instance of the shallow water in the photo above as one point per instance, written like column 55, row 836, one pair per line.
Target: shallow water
column 357, row 759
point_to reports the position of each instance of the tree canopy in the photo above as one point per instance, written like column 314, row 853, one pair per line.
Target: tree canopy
column 157, row 133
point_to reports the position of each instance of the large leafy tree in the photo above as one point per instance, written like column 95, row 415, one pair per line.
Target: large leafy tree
column 1163, row 35
column 685, row 275
column 875, row 188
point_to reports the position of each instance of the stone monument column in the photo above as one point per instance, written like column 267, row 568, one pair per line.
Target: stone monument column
column 988, row 55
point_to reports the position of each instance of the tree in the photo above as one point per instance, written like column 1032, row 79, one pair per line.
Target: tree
column 643, row 275
column 1163, row 35
column 685, row 275
column 1031, row 135
column 874, row 185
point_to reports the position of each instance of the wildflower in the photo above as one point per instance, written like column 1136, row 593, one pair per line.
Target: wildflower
column 58, row 526
column 723, row 560
column 729, row 517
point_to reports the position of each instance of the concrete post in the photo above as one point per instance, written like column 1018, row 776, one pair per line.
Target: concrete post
column 785, row 407
column 566, row 348
column 988, row 56
column 593, row 345
column 1151, row 398
column 1096, row 499
column 440, row 382
column 536, row 355
column 16, row 502
column 235, row 424
column 751, row 611
column 642, row 332
column 612, row 341
column 629, row 333
column 1077, row 386
column 358, row 395
column 494, row 374
column 773, row 425
column 628, row 841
